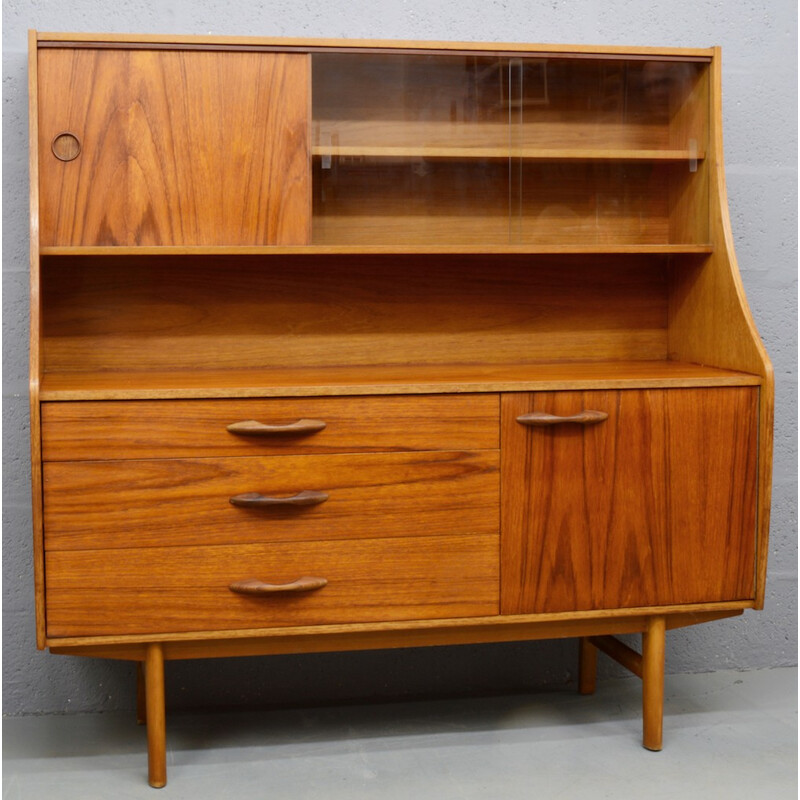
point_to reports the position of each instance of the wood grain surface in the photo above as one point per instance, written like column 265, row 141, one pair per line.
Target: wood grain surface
column 224, row 313
column 398, row 248
column 653, row 651
column 156, row 716
column 710, row 319
column 614, row 620
column 178, row 148
column 586, row 138
column 467, row 202
column 654, row 505
column 157, row 589
column 146, row 503
column 654, row 508
column 181, row 429
column 382, row 380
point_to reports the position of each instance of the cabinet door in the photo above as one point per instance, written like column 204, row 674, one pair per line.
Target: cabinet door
column 173, row 147
column 462, row 149
column 410, row 149
column 653, row 505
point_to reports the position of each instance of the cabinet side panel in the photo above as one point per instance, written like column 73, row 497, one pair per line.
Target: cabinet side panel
column 710, row 320
column 35, row 341
column 176, row 148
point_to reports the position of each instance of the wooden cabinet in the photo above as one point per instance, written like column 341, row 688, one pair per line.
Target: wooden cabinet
column 339, row 345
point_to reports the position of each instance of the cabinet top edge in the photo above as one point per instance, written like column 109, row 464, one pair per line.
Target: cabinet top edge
column 65, row 39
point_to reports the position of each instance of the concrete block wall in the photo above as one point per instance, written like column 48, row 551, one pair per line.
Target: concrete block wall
column 759, row 42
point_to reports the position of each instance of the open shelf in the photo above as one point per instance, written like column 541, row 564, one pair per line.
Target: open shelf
column 192, row 324
column 405, row 379
column 537, row 202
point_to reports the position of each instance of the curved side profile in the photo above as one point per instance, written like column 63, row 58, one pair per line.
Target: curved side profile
column 711, row 323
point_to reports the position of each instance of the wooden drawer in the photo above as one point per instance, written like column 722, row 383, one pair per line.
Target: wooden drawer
column 97, row 504
column 184, row 428
column 173, row 589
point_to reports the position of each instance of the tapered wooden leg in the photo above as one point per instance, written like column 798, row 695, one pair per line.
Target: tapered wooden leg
column 587, row 667
column 653, row 642
column 141, row 694
column 156, row 718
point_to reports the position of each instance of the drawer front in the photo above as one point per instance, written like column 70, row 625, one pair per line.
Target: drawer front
column 100, row 504
column 175, row 589
column 185, row 428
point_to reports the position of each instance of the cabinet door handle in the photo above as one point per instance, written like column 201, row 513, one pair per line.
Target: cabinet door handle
column 540, row 419
column 252, row 427
column 66, row 146
column 256, row 500
column 255, row 586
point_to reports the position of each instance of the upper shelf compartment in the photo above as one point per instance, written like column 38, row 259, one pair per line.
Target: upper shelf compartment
column 461, row 106
column 179, row 149
column 463, row 149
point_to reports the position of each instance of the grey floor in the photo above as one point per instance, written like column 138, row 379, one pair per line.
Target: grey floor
column 727, row 735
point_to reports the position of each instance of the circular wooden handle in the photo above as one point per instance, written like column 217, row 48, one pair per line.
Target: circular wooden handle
column 66, row 146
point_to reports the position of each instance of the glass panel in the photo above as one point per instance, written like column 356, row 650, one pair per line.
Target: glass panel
column 609, row 151
column 409, row 149
column 460, row 149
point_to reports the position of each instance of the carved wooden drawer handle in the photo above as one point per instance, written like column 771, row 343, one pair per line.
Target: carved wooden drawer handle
column 540, row 419
column 256, row 500
column 252, row 427
column 255, row 586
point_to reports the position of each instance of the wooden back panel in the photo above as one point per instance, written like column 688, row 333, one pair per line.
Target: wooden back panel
column 176, row 147
column 371, row 200
column 201, row 313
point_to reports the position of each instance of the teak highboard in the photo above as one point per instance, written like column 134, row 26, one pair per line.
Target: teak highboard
column 340, row 345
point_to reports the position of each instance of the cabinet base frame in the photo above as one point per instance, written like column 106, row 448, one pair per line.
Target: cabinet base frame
column 386, row 635
column 595, row 633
